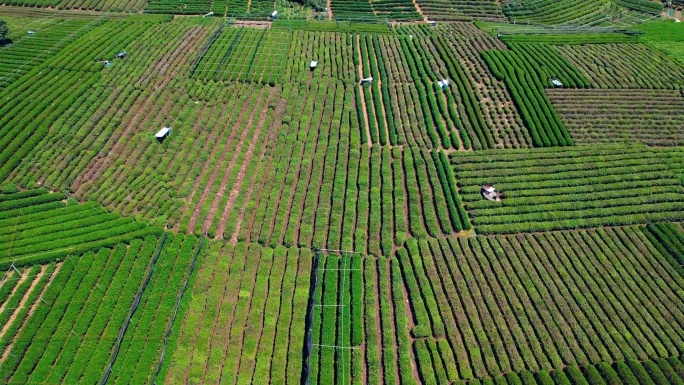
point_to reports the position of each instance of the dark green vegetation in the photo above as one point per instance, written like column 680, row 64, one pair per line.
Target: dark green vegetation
column 188, row 259
column 573, row 188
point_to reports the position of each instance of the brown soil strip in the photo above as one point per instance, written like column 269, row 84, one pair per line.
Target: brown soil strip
column 280, row 110
column 330, row 14
column 214, row 173
column 243, row 169
column 363, row 98
column 425, row 19
column 33, row 307
column 236, row 155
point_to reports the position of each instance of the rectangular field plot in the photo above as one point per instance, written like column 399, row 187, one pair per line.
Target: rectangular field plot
column 461, row 10
column 243, row 54
column 66, row 326
column 507, row 305
column 652, row 117
column 29, row 51
column 625, row 66
column 567, row 189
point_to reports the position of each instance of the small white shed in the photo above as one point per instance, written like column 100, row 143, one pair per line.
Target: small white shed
column 368, row 80
column 163, row 133
column 273, row 15
column 556, row 83
column 313, row 64
column 444, row 83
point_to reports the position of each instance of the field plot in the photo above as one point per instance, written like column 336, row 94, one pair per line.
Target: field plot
column 554, row 12
column 39, row 227
column 534, row 304
column 245, row 322
column 244, row 54
column 465, row 42
column 32, row 107
column 669, row 238
column 573, row 188
column 525, row 79
column 29, row 51
column 79, row 307
column 625, row 66
column 652, row 117
column 185, row 7
column 461, row 10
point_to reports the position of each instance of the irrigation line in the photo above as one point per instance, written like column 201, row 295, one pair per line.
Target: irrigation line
column 175, row 312
column 134, row 307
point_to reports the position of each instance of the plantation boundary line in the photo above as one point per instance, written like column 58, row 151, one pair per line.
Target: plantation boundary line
column 134, row 307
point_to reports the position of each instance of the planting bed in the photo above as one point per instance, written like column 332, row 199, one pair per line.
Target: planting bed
column 583, row 187
column 652, row 117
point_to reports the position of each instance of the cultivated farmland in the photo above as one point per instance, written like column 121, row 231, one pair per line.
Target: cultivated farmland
column 348, row 194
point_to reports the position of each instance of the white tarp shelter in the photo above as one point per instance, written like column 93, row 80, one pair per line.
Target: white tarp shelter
column 556, row 83
column 273, row 15
column 163, row 133
column 367, row 80
column 444, row 83
column 208, row 14
column 313, row 64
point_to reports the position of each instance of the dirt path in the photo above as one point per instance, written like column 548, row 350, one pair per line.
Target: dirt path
column 33, row 306
column 214, row 173
column 6, row 277
column 243, row 169
column 363, row 99
column 330, row 14
column 425, row 19
column 236, row 154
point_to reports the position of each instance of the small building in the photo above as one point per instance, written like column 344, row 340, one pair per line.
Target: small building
column 163, row 134
column 556, row 83
column 432, row 23
column 489, row 192
column 313, row 64
column 121, row 55
column 368, row 80
column 273, row 15
column 207, row 15
column 31, row 32
column 444, row 83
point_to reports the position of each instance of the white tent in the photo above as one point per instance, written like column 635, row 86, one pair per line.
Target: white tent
column 313, row 64
column 164, row 132
column 556, row 83
column 367, row 80
column 444, row 83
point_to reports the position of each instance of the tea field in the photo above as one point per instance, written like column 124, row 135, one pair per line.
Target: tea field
column 357, row 192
